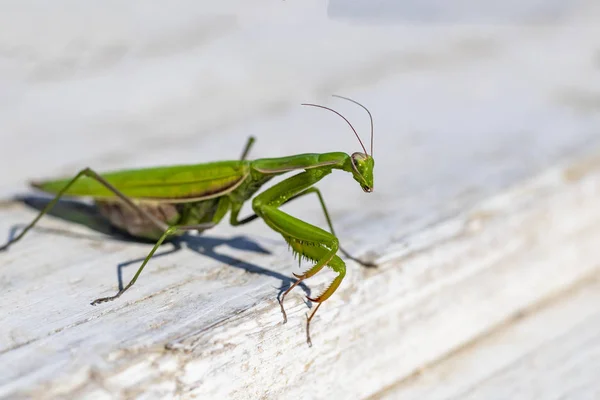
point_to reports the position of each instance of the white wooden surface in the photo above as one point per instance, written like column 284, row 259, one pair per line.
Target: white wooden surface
column 486, row 202
column 548, row 352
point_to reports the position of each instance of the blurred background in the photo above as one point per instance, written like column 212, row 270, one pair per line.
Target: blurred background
column 116, row 85
column 469, row 99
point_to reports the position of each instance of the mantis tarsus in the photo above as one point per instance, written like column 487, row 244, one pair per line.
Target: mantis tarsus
column 155, row 203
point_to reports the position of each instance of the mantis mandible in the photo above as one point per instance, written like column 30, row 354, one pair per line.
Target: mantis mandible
column 162, row 202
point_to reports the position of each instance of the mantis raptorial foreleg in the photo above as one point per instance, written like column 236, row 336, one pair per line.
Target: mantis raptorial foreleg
column 330, row 224
column 313, row 252
column 306, row 240
column 312, row 243
column 93, row 175
column 235, row 221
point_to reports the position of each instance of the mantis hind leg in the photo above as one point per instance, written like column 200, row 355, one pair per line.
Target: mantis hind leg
column 91, row 174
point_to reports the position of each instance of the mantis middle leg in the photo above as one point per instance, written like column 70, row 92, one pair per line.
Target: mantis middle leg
column 173, row 230
column 170, row 231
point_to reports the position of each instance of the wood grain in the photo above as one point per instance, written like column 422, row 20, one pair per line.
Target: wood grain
column 486, row 202
column 550, row 351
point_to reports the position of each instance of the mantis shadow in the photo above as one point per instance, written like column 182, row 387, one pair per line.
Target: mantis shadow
column 87, row 214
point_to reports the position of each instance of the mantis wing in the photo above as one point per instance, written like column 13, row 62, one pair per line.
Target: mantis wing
column 179, row 183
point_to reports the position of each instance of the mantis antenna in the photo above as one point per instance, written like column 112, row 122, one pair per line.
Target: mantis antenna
column 348, row 122
column 368, row 112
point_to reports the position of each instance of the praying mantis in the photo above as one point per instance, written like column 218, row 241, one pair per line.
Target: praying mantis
column 162, row 202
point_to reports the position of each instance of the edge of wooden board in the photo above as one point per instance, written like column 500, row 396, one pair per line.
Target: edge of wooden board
column 476, row 271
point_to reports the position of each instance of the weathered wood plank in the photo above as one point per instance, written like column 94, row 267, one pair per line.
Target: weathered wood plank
column 483, row 205
column 551, row 351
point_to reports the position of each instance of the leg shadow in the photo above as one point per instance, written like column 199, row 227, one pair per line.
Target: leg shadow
column 207, row 245
column 75, row 212
column 87, row 215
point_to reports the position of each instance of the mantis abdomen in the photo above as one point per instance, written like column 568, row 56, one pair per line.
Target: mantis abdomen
column 135, row 223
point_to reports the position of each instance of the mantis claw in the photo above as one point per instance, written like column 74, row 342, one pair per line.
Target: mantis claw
column 101, row 300
column 107, row 299
column 367, row 264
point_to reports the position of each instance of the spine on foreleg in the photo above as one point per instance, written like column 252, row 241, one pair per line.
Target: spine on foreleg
column 302, row 249
column 315, row 251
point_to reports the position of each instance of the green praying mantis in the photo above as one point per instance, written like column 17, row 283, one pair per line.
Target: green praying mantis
column 162, row 202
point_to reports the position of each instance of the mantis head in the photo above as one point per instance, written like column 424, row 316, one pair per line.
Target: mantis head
column 361, row 163
column 362, row 170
